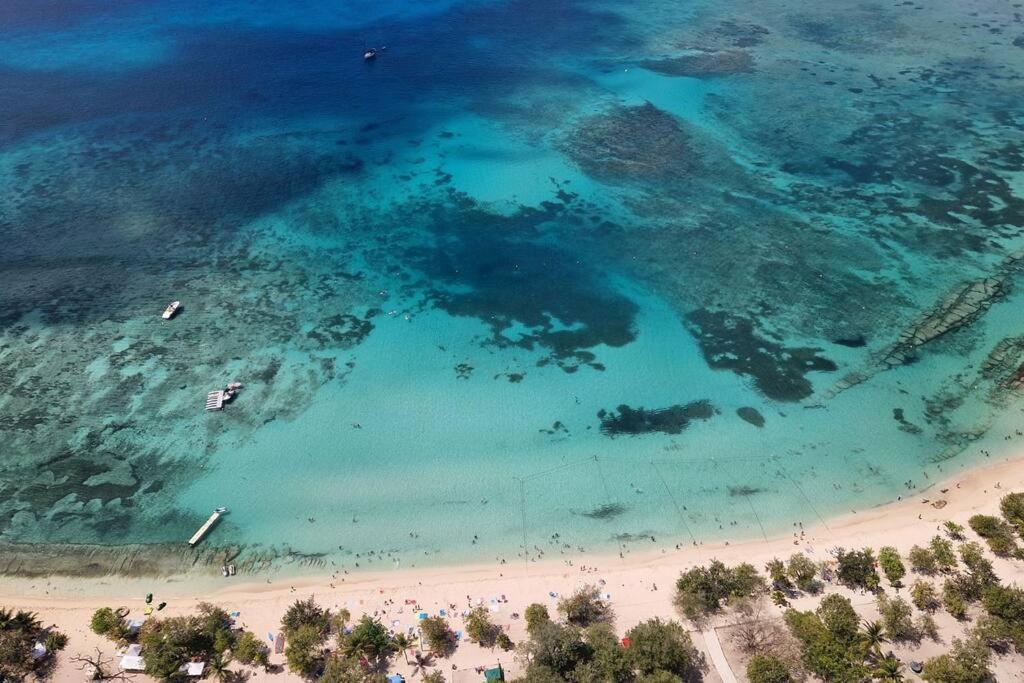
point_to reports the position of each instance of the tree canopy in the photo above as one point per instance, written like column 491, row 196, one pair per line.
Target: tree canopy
column 702, row 590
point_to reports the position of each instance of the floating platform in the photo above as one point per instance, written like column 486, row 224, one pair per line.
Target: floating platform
column 215, row 400
column 205, row 528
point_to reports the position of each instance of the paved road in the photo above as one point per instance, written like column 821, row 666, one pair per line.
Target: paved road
column 718, row 659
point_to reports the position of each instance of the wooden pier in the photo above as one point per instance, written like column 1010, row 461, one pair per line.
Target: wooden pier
column 205, row 528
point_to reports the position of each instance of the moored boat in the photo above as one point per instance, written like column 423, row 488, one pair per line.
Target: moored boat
column 171, row 309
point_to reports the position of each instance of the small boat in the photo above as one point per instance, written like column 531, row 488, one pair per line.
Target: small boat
column 171, row 309
column 370, row 53
column 220, row 510
column 224, row 570
column 149, row 598
column 231, row 570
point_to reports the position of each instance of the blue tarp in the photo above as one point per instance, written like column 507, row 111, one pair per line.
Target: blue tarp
column 396, row 678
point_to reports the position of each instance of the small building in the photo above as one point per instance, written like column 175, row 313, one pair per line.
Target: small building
column 193, row 669
column 494, row 674
column 132, row 659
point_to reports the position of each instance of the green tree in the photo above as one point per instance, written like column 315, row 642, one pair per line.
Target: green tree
column 105, row 622
column 480, row 628
column 892, row 565
column 979, row 568
column 924, row 596
column 925, row 626
column 1012, row 507
column 437, row 635
column 776, row 570
column 340, row 669
column 942, row 550
column 305, row 613
column 663, row 646
column 897, row 615
column 535, row 615
column 953, row 599
column 837, row 614
column 340, row 620
column 766, row 668
column 803, row 572
column 555, row 648
column 169, row 643
column 856, row 569
column 997, row 533
column 434, row 677
column 606, row 660
column 873, row 636
column 889, row 669
column 403, row 643
column 922, row 560
column 967, row 662
column 369, row 638
column 304, row 651
column 251, row 650
column 701, row 590
column 834, row 654
column 19, row 632
column 219, row 668
column 953, row 530
column 1005, row 606
column 585, row 607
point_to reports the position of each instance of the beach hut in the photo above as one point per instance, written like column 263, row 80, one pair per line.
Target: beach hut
column 132, row 659
column 193, row 669
column 494, row 674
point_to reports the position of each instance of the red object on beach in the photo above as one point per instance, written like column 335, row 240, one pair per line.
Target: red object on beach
column 626, row 642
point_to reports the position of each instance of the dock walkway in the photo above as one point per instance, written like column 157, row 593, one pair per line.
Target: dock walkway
column 205, row 528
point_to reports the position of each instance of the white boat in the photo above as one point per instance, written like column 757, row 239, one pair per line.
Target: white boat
column 171, row 309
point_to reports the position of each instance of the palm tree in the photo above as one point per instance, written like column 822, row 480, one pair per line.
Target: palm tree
column 421, row 661
column 873, row 636
column 403, row 644
column 219, row 668
column 26, row 622
column 889, row 669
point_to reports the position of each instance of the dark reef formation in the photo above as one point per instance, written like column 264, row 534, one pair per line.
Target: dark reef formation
column 730, row 342
column 751, row 415
column 703, row 64
column 671, row 420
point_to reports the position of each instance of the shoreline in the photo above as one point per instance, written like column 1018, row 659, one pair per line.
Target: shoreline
column 966, row 493
column 639, row 586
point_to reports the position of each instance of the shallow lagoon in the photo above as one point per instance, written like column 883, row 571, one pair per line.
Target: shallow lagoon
column 543, row 277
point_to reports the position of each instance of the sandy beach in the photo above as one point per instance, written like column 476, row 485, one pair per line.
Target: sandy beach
column 640, row 585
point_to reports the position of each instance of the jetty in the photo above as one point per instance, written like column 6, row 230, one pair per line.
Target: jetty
column 205, row 528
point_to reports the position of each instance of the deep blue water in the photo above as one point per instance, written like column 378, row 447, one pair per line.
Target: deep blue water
column 600, row 270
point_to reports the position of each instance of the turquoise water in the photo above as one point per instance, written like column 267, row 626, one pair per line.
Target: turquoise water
column 542, row 277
